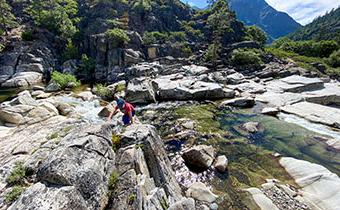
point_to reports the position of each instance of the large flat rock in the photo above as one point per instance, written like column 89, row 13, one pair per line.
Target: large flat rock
column 319, row 187
column 316, row 113
column 296, row 84
column 175, row 87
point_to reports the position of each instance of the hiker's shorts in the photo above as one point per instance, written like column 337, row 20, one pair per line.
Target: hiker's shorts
column 126, row 118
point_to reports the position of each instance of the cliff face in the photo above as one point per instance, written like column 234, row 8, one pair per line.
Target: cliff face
column 261, row 14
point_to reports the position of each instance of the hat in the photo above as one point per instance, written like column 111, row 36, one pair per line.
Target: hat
column 120, row 103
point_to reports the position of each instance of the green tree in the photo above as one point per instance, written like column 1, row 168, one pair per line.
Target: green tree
column 7, row 19
column 58, row 16
column 257, row 34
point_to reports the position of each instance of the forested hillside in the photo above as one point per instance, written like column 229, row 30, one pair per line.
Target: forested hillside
column 326, row 27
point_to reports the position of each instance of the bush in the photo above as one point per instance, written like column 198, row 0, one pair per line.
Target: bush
column 246, row 57
column 177, row 36
column 212, row 52
column 257, row 34
column 334, row 59
column 118, row 36
column 103, row 91
column 14, row 194
column 27, row 35
column 70, row 52
column 2, row 32
column 87, row 64
column 142, row 6
column 17, row 175
column 311, row 48
column 113, row 181
column 155, row 37
column 64, row 79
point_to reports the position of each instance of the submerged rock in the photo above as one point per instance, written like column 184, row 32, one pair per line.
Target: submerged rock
column 251, row 127
column 221, row 163
column 201, row 156
column 201, row 192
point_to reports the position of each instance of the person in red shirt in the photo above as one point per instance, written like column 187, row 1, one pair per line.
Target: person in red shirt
column 127, row 109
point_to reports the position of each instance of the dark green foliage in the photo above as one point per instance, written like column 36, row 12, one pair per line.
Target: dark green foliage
column 27, row 35
column 334, row 59
column 142, row 6
column 118, row 36
column 87, row 65
column 70, row 52
column 307, row 48
column 177, row 36
column 246, row 57
column 14, row 194
column 17, row 175
column 155, row 37
column 59, row 17
column 212, row 53
column 7, row 19
column 322, row 28
column 64, row 79
column 257, row 34
column 219, row 21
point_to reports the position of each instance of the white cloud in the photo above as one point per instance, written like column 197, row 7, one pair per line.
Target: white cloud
column 304, row 11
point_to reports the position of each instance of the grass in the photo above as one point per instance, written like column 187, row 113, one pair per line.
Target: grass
column 53, row 135
column 113, row 181
column 14, row 194
column 132, row 198
column 17, row 175
column 115, row 142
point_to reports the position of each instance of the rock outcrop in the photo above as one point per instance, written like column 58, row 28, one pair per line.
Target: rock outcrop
column 320, row 187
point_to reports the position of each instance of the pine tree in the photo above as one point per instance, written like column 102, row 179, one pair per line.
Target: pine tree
column 7, row 18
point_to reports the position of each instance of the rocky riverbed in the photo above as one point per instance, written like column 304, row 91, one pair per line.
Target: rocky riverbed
column 205, row 139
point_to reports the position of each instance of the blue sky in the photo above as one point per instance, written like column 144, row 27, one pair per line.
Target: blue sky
column 303, row 11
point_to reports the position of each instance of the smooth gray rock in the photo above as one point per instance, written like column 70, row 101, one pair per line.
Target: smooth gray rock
column 32, row 67
column 52, row 87
column 140, row 91
column 201, row 192
column 24, row 98
column 184, row 204
column 221, row 163
column 42, row 197
column 270, row 111
column 23, row 79
column 83, row 159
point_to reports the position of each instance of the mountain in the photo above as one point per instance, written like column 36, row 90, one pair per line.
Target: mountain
column 261, row 14
column 326, row 27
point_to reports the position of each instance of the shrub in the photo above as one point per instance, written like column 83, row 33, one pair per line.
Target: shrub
column 113, row 181
column 155, row 37
column 142, row 6
column 334, row 59
column 257, row 34
column 27, row 35
column 87, row 64
column 2, row 32
column 118, row 36
column 115, row 141
column 70, row 52
column 212, row 52
column 177, row 36
column 14, row 194
column 245, row 57
column 103, row 91
column 17, row 175
column 64, row 79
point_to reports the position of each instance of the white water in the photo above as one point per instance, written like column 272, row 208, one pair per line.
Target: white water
column 88, row 110
column 317, row 128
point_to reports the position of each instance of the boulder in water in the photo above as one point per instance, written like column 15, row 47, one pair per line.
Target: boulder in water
column 201, row 192
column 201, row 156
column 221, row 163
column 239, row 102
